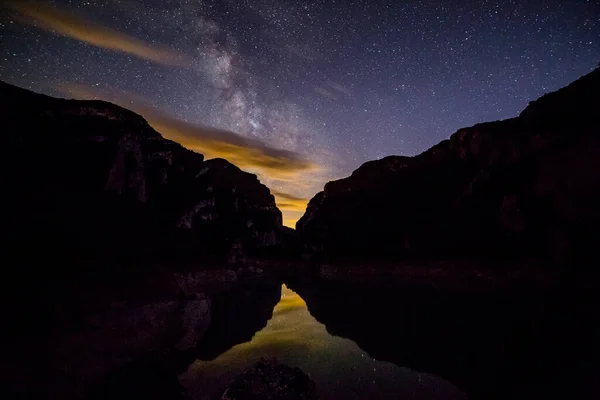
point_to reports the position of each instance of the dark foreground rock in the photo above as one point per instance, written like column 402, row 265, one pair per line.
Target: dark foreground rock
column 269, row 380
column 526, row 187
column 89, row 180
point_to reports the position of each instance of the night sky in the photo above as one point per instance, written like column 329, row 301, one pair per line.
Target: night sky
column 302, row 92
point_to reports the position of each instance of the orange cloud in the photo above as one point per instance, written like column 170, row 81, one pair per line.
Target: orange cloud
column 50, row 18
column 243, row 152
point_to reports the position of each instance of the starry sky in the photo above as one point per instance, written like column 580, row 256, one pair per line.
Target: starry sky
column 302, row 92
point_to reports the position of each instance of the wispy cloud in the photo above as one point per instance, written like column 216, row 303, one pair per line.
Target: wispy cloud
column 327, row 93
column 333, row 90
column 303, row 51
column 339, row 88
column 75, row 26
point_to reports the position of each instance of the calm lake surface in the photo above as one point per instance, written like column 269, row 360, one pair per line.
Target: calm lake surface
column 338, row 366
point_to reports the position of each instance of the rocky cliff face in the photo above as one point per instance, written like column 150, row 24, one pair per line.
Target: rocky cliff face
column 88, row 179
column 522, row 187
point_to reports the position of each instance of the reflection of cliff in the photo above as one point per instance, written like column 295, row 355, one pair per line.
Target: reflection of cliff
column 132, row 341
column 236, row 316
column 491, row 345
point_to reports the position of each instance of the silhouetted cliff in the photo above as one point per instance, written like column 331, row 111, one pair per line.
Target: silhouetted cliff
column 523, row 187
column 90, row 180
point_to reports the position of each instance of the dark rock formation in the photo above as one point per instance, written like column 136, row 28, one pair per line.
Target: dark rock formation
column 269, row 380
column 522, row 187
column 91, row 180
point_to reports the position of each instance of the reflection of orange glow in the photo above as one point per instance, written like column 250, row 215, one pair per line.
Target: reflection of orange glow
column 291, row 326
column 50, row 18
column 295, row 338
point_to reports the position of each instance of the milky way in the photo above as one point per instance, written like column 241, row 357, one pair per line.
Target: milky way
column 331, row 83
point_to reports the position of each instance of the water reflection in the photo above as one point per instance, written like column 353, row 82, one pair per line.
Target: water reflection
column 337, row 365
column 517, row 343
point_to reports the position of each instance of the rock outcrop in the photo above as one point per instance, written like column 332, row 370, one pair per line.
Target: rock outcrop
column 91, row 180
column 526, row 187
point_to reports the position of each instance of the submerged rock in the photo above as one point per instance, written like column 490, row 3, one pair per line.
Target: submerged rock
column 270, row 380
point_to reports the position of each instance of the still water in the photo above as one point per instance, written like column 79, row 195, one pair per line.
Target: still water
column 338, row 366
